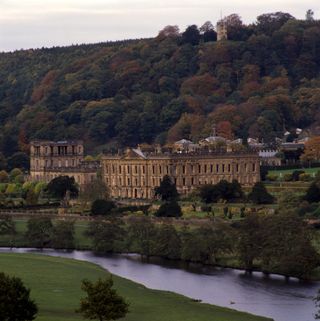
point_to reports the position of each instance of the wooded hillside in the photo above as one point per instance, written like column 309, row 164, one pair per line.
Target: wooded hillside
column 264, row 79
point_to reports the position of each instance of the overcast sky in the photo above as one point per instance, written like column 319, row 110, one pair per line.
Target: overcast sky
column 47, row 23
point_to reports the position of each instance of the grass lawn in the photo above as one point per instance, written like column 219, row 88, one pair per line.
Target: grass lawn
column 310, row 171
column 55, row 286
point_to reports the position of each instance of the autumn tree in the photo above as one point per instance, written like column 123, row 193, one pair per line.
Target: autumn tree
column 168, row 32
column 312, row 150
column 207, row 31
column 269, row 22
column 93, row 190
column 224, row 130
column 203, row 85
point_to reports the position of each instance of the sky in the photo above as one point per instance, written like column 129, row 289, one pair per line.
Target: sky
column 45, row 23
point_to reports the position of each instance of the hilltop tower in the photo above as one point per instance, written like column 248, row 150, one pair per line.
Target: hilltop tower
column 222, row 31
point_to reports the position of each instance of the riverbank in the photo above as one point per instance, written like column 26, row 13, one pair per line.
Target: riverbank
column 83, row 242
column 55, row 286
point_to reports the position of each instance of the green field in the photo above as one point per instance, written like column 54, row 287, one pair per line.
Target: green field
column 55, row 286
column 311, row 171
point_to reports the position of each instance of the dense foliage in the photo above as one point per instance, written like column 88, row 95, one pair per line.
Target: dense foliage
column 42, row 233
column 260, row 195
column 264, row 78
column 102, row 301
column 59, row 186
column 280, row 242
column 221, row 191
column 15, row 301
column 102, row 207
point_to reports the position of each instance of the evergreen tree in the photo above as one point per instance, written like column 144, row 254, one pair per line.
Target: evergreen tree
column 260, row 195
column 15, row 301
column 167, row 189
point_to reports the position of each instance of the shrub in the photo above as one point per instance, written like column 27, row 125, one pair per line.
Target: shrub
column 272, row 177
column 102, row 207
column 11, row 189
column 206, row 208
column 14, row 173
column 304, row 177
column 287, row 177
column 4, row 177
column 40, row 186
column 169, row 209
column 296, row 175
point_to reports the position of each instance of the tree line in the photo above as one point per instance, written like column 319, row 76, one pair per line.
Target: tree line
column 270, row 243
column 263, row 79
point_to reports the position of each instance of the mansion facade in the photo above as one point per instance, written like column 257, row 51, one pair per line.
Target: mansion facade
column 49, row 160
column 135, row 174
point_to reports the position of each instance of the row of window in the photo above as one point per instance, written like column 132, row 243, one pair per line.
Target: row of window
column 51, row 163
column 194, row 169
column 58, row 150
column 156, row 181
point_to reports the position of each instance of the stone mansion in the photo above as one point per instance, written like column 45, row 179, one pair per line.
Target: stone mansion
column 134, row 173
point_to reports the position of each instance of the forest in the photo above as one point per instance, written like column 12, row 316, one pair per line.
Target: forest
column 261, row 81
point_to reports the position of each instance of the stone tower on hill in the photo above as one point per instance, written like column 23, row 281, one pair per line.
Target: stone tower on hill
column 222, row 32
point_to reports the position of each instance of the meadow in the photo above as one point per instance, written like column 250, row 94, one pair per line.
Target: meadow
column 55, row 286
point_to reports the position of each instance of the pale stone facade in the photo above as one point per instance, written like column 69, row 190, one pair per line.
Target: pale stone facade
column 222, row 30
column 64, row 158
column 135, row 174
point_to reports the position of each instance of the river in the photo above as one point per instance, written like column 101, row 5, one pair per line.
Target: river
column 272, row 296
